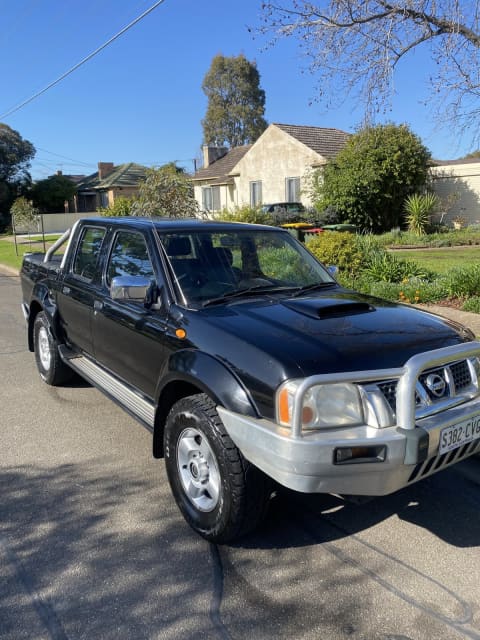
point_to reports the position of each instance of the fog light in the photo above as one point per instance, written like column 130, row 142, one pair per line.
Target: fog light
column 357, row 455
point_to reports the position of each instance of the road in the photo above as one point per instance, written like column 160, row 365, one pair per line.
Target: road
column 93, row 547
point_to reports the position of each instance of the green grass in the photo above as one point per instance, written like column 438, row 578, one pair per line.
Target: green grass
column 7, row 249
column 441, row 260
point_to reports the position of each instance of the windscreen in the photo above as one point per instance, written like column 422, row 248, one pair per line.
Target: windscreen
column 208, row 265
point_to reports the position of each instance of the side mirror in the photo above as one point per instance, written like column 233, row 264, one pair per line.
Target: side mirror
column 130, row 288
column 332, row 270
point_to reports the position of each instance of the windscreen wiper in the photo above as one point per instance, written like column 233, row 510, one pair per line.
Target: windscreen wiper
column 254, row 290
column 311, row 287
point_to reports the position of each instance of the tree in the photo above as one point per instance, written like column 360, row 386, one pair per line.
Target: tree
column 49, row 195
column 370, row 178
column 358, row 45
column 166, row 192
column 24, row 215
column 236, row 103
column 15, row 156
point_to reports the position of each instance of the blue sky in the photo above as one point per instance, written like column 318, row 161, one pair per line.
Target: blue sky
column 140, row 99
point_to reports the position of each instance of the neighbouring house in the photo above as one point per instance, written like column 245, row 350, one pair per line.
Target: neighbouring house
column 457, row 183
column 276, row 168
column 110, row 182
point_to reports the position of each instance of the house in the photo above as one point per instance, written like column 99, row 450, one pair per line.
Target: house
column 457, row 183
column 110, row 182
column 276, row 168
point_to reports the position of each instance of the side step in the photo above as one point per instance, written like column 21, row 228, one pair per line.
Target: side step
column 120, row 393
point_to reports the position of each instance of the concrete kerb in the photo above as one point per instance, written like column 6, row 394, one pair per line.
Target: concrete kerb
column 8, row 271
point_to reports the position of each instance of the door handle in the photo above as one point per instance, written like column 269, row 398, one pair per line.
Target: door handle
column 66, row 290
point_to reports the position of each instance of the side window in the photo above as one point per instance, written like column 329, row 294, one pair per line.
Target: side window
column 129, row 257
column 88, row 251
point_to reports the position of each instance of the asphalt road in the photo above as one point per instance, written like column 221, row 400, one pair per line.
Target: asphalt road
column 93, row 547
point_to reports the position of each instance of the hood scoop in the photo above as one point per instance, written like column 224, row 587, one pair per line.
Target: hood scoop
column 324, row 309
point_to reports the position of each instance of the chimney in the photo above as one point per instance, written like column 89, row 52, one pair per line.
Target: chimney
column 211, row 154
column 59, row 172
column 104, row 168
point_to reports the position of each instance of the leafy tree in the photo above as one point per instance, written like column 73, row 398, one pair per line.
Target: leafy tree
column 236, row 103
column 15, row 156
column 358, row 44
column 370, row 178
column 24, row 215
column 166, row 192
column 50, row 194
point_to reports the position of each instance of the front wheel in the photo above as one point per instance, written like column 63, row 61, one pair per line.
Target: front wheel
column 51, row 367
column 220, row 494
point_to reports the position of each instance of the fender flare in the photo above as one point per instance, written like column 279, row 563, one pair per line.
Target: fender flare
column 190, row 371
column 42, row 301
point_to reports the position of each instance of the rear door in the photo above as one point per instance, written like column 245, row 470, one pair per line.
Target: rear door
column 80, row 286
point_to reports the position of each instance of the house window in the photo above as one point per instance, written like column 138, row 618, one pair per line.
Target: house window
column 211, row 198
column 292, row 189
column 255, row 193
column 104, row 203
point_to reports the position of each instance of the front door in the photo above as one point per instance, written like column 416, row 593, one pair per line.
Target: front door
column 128, row 338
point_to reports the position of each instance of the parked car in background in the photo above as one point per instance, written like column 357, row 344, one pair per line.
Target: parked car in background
column 284, row 211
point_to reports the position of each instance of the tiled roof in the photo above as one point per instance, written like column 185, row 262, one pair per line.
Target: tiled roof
column 125, row 175
column 222, row 167
column 326, row 142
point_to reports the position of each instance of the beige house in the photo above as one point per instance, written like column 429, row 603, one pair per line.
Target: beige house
column 457, row 182
column 276, row 168
column 110, row 182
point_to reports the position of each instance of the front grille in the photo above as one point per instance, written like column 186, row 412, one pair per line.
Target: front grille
column 461, row 374
column 434, row 385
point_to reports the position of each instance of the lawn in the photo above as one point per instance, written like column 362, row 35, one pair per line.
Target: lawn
column 7, row 249
column 441, row 260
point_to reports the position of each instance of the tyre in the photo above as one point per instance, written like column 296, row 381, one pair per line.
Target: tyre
column 220, row 494
column 51, row 367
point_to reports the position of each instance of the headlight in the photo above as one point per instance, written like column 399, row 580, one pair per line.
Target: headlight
column 326, row 405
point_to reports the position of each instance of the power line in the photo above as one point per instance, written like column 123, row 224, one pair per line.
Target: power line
column 77, row 162
column 79, row 64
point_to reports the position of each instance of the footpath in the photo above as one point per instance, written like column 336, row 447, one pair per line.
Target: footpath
column 470, row 320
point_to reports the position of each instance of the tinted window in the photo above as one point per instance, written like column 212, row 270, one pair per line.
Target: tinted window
column 129, row 257
column 88, row 252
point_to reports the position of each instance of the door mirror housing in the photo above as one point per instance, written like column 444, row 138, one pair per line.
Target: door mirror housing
column 131, row 288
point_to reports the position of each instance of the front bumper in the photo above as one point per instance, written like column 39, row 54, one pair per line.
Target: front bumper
column 305, row 460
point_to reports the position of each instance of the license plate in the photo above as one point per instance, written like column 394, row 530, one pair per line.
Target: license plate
column 458, row 434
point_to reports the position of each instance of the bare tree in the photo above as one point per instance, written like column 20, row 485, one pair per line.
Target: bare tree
column 354, row 46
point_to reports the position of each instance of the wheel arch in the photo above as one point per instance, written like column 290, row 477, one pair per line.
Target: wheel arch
column 191, row 372
column 42, row 302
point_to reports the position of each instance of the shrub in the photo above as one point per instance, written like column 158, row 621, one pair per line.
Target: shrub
column 120, row 208
column 463, row 282
column 253, row 215
column 418, row 209
column 341, row 249
column 387, row 267
column 472, row 304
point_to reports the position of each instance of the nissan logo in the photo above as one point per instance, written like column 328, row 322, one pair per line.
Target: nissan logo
column 436, row 384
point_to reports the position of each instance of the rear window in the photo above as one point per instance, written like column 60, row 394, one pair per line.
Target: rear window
column 88, row 252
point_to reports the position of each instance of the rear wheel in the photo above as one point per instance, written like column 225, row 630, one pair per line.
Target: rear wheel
column 220, row 494
column 51, row 367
